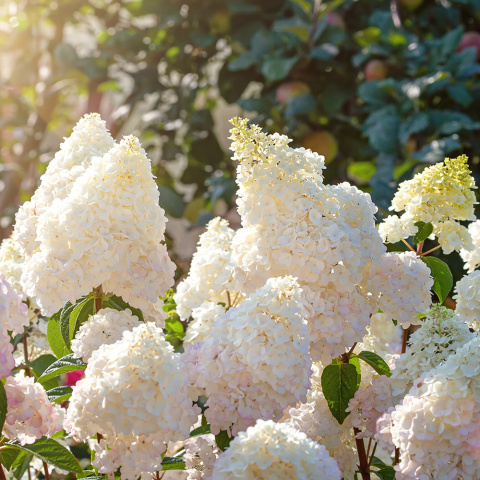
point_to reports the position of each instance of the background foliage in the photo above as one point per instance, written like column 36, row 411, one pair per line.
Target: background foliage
column 382, row 88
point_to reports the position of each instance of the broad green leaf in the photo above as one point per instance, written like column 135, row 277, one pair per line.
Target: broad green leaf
column 353, row 360
column 39, row 365
column 65, row 314
column 386, row 473
column 3, row 405
column 118, row 303
column 21, row 463
column 173, row 463
column 8, row 456
column 171, row 202
column 376, row 362
column 59, row 394
column 222, row 440
column 50, row 451
column 424, row 231
column 200, row 431
column 80, row 315
column 64, row 365
column 278, row 68
column 54, row 337
column 442, row 277
column 339, row 384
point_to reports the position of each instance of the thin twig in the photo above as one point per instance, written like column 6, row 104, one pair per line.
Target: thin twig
column 45, row 469
column 362, row 456
column 368, row 447
column 229, row 299
column 404, row 340
column 25, row 354
column 373, row 453
column 2, row 473
column 408, row 245
column 431, row 250
column 420, row 247
column 98, row 298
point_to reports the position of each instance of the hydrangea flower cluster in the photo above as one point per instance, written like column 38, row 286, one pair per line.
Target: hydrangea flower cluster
column 200, row 454
column 204, row 318
column 441, row 194
column 258, row 362
column 467, row 296
column 472, row 257
column 291, row 219
column 210, row 278
column 269, row 451
column 11, row 263
column 442, row 333
column 437, row 425
column 135, row 386
column 105, row 327
column 400, row 285
column 106, row 228
column 30, row 415
column 384, row 337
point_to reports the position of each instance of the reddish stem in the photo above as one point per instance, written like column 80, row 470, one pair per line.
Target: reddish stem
column 45, row 469
column 98, row 298
column 362, row 456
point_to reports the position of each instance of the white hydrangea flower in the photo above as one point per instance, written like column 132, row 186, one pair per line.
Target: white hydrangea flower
column 441, row 194
column 437, row 425
column 258, row 361
column 467, row 296
column 30, row 415
column 442, row 333
column 200, row 454
column 269, row 451
column 13, row 312
column 384, row 337
column 201, row 326
column 105, row 327
column 315, row 420
column 471, row 256
column 211, row 270
column 7, row 361
column 291, row 220
column 107, row 231
column 11, row 263
column 400, row 285
column 89, row 138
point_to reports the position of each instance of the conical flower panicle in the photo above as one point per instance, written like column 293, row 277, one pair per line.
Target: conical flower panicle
column 89, row 138
column 108, row 231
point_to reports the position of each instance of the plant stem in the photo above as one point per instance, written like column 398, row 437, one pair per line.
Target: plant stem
column 373, row 453
column 407, row 244
column 362, row 456
column 98, row 298
column 45, row 469
column 2, row 473
column 229, row 299
column 430, row 251
column 420, row 247
column 25, row 354
column 345, row 357
column 404, row 340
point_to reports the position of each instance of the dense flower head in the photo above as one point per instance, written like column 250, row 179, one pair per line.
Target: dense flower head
column 30, row 415
column 471, row 256
column 291, row 220
column 11, row 262
column 7, row 361
column 442, row 333
column 269, row 451
column 441, row 195
column 467, row 296
column 384, row 337
column 200, row 454
column 108, row 230
column 89, row 138
column 315, row 420
column 437, row 425
column 211, row 270
column 201, row 326
column 257, row 363
column 400, row 285
column 13, row 312
column 105, row 327
column 135, row 386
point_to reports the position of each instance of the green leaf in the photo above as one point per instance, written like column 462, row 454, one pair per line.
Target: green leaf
column 21, row 463
column 339, row 384
column 386, row 473
column 278, row 68
column 173, row 463
column 54, row 337
column 424, row 231
column 376, row 362
column 442, row 277
column 171, row 202
column 59, row 394
column 64, row 365
column 118, row 303
column 65, row 320
column 3, row 405
column 222, row 440
column 361, row 172
column 203, row 430
column 39, row 365
column 50, row 451
column 80, row 315
column 8, row 456
column 353, row 360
